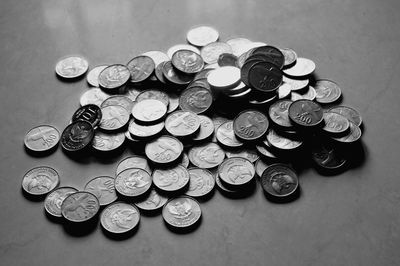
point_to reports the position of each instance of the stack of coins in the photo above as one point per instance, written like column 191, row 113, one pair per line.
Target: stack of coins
column 203, row 114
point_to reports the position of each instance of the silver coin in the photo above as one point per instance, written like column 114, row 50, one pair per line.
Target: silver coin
column 108, row 141
column 42, row 138
column 93, row 75
column 72, row 67
column 40, row 180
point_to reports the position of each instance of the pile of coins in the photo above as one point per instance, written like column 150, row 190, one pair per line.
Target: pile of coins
column 205, row 113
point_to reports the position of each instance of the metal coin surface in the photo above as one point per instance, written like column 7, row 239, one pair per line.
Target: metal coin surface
column 114, row 117
column 206, row 128
column 133, row 162
column 248, row 154
column 353, row 135
column 250, row 125
column 113, row 77
column 72, row 67
column 201, row 182
column 236, row 171
column 158, row 72
column 236, row 90
column 289, row 55
column 141, row 131
column 296, row 84
column 93, row 75
column 306, row 113
column 178, row 47
column 226, row 136
column 131, row 92
column 335, row 123
column 182, row 123
column 153, row 94
column 77, row 136
column 284, row 91
column 157, row 56
column 90, row 113
column 119, row 218
column 351, row 114
column 281, row 142
column 279, row 113
column 224, row 77
column 174, row 76
column 53, row 201
column 223, row 187
column 181, row 212
column 120, row 100
column 327, row 91
column 279, row 180
column 103, row 188
column 164, row 150
column 187, row 61
column 153, row 202
column 108, row 141
column 326, row 156
column 141, row 67
column 265, row 76
column 238, row 45
column 275, row 56
column 149, row 110
column 42, row 138
column 260, row 167
column 244, row 70
column 207, row 155
column 311, row 94
column 40, row 180
column 80, row 206
column 227, row 60
column 173, row 102
column 195, row 99
column 202, row 35
column 172, row 179
column 133, row 182
column 302, row 67
column 203, row 74
column 212, row 51
column 265, row 153
column 185, row 161
column 93, row 96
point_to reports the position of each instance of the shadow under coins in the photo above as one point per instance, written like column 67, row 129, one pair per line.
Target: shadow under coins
column 282, row 200
column 80, row 229
column 120, row 236
column 242, row 193
column 184, row 230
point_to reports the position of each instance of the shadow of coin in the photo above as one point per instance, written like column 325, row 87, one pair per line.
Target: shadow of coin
column 151, row 213
column 120, row 236
column 184, row 230
column 70, row 80
column 83, row 157
column 39, row 154
column 52, row 218
column 80, row 229
column 206, row 197
column 331, row 171
column 34, row 198
column 242, row 193
column 356, row 155
column 282, row 200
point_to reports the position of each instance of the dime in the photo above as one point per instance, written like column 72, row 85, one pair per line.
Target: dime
column 153, row 94
column 226, row 59
column 182, row 123
column 93, row 96
column 201, row 182
column 72, row 67
column 202, row 35
column 120, row 100
column 224, row 77
column 114, row 117
column 141, row 67
column 175, row 77
column 141, row 131
column 195, row 99
column 260, row 167
column 248, row 154
column 164, row 150
column 236, row 171
column 282, row 143
column 149, row 110
column 42, row 138
column 226, row 136
column 133, row 162
column 279, row 113
column 113, row 77
column 335, row 124
column 77, row 136
column 53, row 201
column 284, row 90
column 181, row 212
column 90, row 113
column 274, row 55
column 296, row 84
column 208, row 155
column 40, row 180
column 305, row 113
column 119, row 218
column 303, row 67
column 80, row 206
column 133, row 182
column 351, row 114
column 108, row 141
column 93, row 75
column 187, row 61
column 238, row 45
column 265, row 76
column 157, row 56
column 327, row 91
column 152, row 202
column 250, row 125
column 178, row 47
column 212, row 51
column 206, row 128
column 279, row 180
column 289, row 55
column 353, row 135
column 327, row 157
column 103, row 188
column 172, row 179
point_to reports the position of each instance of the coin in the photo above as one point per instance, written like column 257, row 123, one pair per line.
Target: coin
column 238, row 45
column 131, row 92
column 260, row 167
column 187, row 61
column 153, row 94
column 202, row 83
column 77, row 136
column 311, row 94
column 201, row 182
column 303, row 67
column 120, row 218
column 282, row 142
column 208, row 155
column 173, row 102
column 195, row 99
column 327, row 91
column 250, row 125
column 157, row 56
column 248, row 154
column 274, row 55
column 80, row 206
column 113, row 77
column 289, row 55
column 203, row 74
column 40, row 180
column 178, row 47
column 206, row 128
column 108, row 141
column 93, row 75
column 284, row 90
column 149, row 110
column 227, row 59
column 90, row 113
column 53, row 201
column 93, row 96
column 158, row 72
column 141, row 131
column 279, row 180
column 103, row 188
column 133, row 182
column 181, row 212
column 224, row 77
column 72, row 67
column 175, row 77
column 265, row 76
column 202, row 35
column 120, row 100
column 141, row 67
column 223, row 188
column 327, row 157
column 305, row 113
column 182, row 123
column 236, row 90
column 265, row 153
column 171, row 179
column 212, row 51
column 244, row 70
column 164, row 150
column 296, row 84
column 236, row 171
column 279, row 113
column 114, row 117
column 133, row 162
column 152, row 202
column 226, row 136
column 351, row 114
column 335, row 124
column 42, row 138
column 353, row 135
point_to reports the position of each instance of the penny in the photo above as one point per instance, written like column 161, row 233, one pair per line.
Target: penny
column 187, row 61
column 327, row 91
column 120, row 218
column 141, row 131
column 327, row 157
column 42, row 138
column 289, row 55
column 72, row 67
column 296, row 84
column 274, row 55
column 305, row 113
column 149, row 110
column 227, row 59
column 250, row 125
column 238, row 45
column 153, row 94
column 120, row 100
column 226, row 136
column 113, row 77
column 195, row 99
column 178, row 47
column 260, row 167
column 181, row 212
column 114, row 117
column 282, row 143
column 335, row 124
column 236, row 171
column 133, row 162
column 53, row 201
column 351, row 114
column 284, row 90
column 90, row 113
column 133, row 182
column 164, row 150
column 353, row 135
column 77, row 136
column 93, row 96
column 175, row 77
column 311, row 94
column 248, row 154
column 182, row 123
column 93, row 75
column 108, row 141
column 157, row 56
column 141, row 67
column 208, row 155
column 212, row 51
column 265, row 76
column 172, row 179
column 279, row 113
column 206, row 128
column 202, row 35
column 201, row 182
column 152, row 202
column 40, row 180
column 279, row 180
column 80, row 206
column 303, row 67
column 103, row 188
column 224, row 77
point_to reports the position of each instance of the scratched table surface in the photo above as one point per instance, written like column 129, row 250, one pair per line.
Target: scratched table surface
column 349, row 219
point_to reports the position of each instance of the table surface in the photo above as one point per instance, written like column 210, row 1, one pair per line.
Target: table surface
column 349, row 219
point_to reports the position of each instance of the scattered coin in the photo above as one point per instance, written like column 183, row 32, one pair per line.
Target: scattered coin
column 133, row 162
column 335, row 124
column 224, row 77
column 114, row 117
column 164, row 150
column 157, row 56
column 178, row 47
column 77, row 136
column 93, row 75
column 120, row 100
column 327, row 91
column 211, row 52
column 239, row 45
column 281, row 142
column 227, row 59
column 149, row 111
column 140, row 131
column 107, row 141
column 236, row 171
column 42, row 138
column 133, row 182
column 284, row 90
column 152, row 202
column 187, row 61
column 279, row 180
column 311, row 94
column 206, row 128
column 181, row 212
column 353, row 135
column 40, row 180
column 113, row 77
column 273, row 54
column 196, row 99
column 305, row 113
column 279, row 113
column 327, row 157
column 80, row 207
column 303, row 67
column 175, row 77
column 265, row 76
column 93, row 96
column 201, row 183
column 172, row 179
column 53, row 201
column 207, row 156
column 182, row 123
column 141, row 67
column 90, row 113
column 226, row 136
column 290, row 56
column 202, row 35
column 103, row 188
column 154, row 94
column 119, row 218
column 260, row 167
column 250, row 125
column 350, row 113
column 72, row 67
column 296, row 84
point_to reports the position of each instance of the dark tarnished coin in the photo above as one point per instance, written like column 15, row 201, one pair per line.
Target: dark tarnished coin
column 80, row 206
column 279, row 113
column 327, row 157
column 154, row 94
column 53, row 201
column 40, row 180
column 113, row 77
column 141, row 67
column 351, row 114
column 226, row 59
column 103, row 188
column 279, row 180
column 248, row 154
column 289, row 55
column 226, row 136
column 133, row 162
column 181, row 212
column 108, row 141
column 182, row 123
column 353, row 135
column 145, row 131
column 201, row 182
column 335, row 124
column 207, row 155
column 303, row 67
column 260, row 167
column 187, row 61
column 265, row 76
column 175, row 77
column 211, row 52
column 114, row 117
column 327, row 91
column 119, row 218
column 206, row 128
column 119, row 100
column 164, row 150
column 306, row 113
column 275, row 56
column 196, row 99
column 244, row 70
column 250, row 125
column 236, row 171
column 172, row 179
column 77, row 136
column 42, row 138
column 90, row 113
column 152, row 202
column 93, row 96
column 133, row 182
column 202, row 35
column 149, row 110
column 282, row 142
column 93, row 75
column 72, row 67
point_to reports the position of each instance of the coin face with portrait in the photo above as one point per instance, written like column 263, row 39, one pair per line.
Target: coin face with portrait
column 119, row 217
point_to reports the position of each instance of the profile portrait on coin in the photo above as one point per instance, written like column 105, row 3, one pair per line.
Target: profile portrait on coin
column 123, row 217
